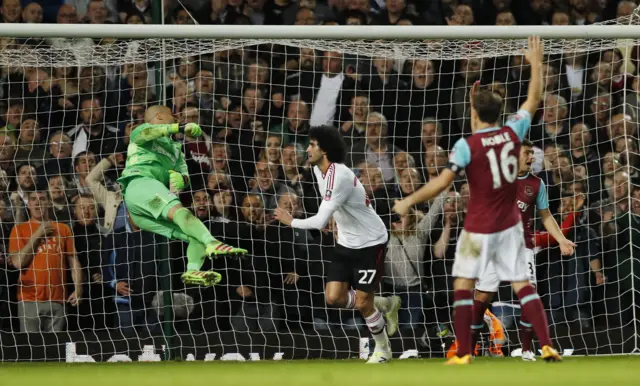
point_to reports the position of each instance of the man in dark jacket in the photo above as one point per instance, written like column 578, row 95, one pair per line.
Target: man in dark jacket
column 131, row 270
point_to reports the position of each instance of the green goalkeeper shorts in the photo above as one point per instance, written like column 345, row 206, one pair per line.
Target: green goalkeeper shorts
column 146, row 199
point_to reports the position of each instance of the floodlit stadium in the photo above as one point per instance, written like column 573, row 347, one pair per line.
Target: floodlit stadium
column 83, row 286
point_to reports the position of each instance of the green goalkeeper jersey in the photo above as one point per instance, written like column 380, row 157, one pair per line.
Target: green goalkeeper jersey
column 151, row 153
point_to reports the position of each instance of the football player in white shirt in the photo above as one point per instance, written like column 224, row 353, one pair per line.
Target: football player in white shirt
column 358, row 261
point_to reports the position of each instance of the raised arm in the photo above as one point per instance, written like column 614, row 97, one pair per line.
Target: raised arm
column 426, row 224
column 534, row 55
column 22, row 256
column 94, row 180
column 441, row 246
column 148, row 132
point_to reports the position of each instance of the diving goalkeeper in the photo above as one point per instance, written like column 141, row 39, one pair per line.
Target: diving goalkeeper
column 154, row 172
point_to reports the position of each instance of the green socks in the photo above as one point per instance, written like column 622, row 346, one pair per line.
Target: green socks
column 195, row 255
column 192, row 226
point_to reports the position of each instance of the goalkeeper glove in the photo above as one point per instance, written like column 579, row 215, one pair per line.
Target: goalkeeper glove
column 190, row 129
column 176, row 181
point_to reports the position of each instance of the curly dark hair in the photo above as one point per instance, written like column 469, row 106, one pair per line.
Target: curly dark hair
column 330, row 141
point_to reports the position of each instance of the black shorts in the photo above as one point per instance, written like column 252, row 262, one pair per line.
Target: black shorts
column 361, row 268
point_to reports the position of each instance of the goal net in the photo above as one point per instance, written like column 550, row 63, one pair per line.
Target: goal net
column 68, row 107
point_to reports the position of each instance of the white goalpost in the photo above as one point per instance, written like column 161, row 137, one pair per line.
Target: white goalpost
column 70, row 95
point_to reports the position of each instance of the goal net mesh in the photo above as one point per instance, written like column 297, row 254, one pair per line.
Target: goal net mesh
column 68, row 107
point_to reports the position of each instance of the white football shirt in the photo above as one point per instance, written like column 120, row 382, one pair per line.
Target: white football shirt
column 344, row 198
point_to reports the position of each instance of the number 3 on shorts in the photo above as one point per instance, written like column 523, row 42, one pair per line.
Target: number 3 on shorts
column 367, row 276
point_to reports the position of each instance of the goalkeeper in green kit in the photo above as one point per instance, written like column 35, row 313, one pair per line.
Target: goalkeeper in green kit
column 154, row 172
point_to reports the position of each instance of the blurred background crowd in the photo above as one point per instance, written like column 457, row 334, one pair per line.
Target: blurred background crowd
column 64, row 137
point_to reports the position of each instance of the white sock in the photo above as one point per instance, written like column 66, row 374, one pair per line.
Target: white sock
column 351, row 300
column 376, row 324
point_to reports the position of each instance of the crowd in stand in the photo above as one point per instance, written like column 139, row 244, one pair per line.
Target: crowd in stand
column 71, row 260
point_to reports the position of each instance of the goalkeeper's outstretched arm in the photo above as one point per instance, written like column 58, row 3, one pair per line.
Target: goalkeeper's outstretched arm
column 148, row 132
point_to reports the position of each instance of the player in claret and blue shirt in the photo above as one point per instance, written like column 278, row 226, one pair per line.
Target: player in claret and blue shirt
column 154, row 173
column 493, row 231
column 531, row 194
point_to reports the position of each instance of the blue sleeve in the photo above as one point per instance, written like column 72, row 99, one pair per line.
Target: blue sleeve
column 460, row 156
column 520, row 123
column 541, row 201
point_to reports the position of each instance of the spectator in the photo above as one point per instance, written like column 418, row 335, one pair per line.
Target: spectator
column 435, row 160
column 404, row 261
column 431, row 137
column 135, row 18
column 371, row 178
column 334, row 88
column 424, row 100
column 29, row 148
column 375, row 149
column 354, row 129
column 267, row 185
column 12, row 118
column 355, row 17
column 568, row 279
column 409, row 181
column 383, row 85
column 32, row 13
column 305, row 16
column 7, row 151
column 204, row 86
column 619, row 75
column 201, row 205
column 25, row 180
column 59, row 161
column 10, row 11
column 260, row 316
column 130, row 271
column 42, row 250
column 394, row 11
column 83, row 164
column 272, row 153
column 505, row 18
column 560, row 17
column 579, row 11
column 58, row 193
column 115, row 214
column 617, row 270
column 625, row 8
column 582, row 150
column 402, row 161
column 97, row 12
column 88, row 244
column 296, row 125
column 555, row 123
column 439, row 269
column 93, row 134
column 541, row 11
column 67, row 14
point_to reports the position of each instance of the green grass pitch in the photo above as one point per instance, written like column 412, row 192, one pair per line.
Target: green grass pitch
column 618, row 371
